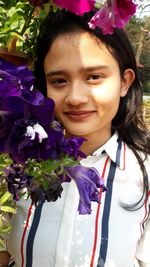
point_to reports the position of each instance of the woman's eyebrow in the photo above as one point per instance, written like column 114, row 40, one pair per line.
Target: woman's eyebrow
column 82, row 69
column 94, row 68
column 55, row 72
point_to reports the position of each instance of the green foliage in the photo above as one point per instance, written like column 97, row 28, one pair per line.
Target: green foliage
column 41, row 172
column 7, row 205
column 146, row 86
column 44, row 171
column 135, row 28
column 19, row 24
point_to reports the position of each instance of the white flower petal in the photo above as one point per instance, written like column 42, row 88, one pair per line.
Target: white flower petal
column 30, row 132
column 40, row 130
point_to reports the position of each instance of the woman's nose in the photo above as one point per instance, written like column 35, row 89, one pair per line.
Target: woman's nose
column 77, row 94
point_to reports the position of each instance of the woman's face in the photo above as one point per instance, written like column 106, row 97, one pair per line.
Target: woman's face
column 83, row 79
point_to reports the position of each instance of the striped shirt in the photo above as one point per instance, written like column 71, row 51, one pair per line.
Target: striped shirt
column 55, row 235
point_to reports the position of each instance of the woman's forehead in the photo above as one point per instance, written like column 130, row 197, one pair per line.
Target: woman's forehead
column 79, row 44
column 78, row 51
column 77, row 39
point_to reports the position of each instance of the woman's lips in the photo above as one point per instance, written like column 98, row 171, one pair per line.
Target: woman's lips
column 78, row 115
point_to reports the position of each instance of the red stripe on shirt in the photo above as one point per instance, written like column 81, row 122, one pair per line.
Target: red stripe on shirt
column 97, row 218
column 24, row 233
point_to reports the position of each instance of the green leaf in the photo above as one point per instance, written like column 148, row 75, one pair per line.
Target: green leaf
column 2, row 243
column 8, row 209
column 1, row 222
column 5, row 229
column 5, row 197
column 45, row 183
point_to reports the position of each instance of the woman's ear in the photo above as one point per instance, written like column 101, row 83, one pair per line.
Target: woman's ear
column 128, row 78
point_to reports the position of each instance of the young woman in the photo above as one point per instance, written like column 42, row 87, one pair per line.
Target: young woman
column 93, row 80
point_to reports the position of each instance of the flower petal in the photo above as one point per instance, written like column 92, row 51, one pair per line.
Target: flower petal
column 16, row 179
column 18, row 81
column 71, row 146
column 114, row 14
column 88, row 181
column 78, row 7
column 35, row 112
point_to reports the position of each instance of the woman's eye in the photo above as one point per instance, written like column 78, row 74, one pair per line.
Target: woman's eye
column 58, row 82
column 95, row 77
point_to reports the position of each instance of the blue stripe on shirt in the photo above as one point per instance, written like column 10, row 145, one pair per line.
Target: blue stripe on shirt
column 107, row 206
column 32, row 233
column 106, row 214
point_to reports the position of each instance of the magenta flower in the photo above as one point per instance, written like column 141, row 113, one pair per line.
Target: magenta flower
column 79, row 7
column 114, row 14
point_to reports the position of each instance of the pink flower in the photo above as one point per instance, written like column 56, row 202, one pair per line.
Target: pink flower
column 114, row 14
column 79, row 7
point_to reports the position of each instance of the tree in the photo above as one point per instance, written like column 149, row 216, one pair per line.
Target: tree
column 138, row 30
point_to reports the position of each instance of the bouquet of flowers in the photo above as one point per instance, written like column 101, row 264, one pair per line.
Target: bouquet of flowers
column 34, row 152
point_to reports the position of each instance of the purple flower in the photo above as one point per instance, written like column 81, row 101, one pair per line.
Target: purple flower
column 32, row 136
column 51, row 193
column 11, row 109
column 71, row 146
column 14, row 105
column 6, row 123
column 16, row 179
column 17, row 81
column 78, row 7
column 114, row 14
column 88, row 181
column 43, row 113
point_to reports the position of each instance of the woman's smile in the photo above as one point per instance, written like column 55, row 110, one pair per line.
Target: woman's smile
column 79, row 115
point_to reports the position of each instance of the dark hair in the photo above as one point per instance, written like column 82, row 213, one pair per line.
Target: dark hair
column 129, row 120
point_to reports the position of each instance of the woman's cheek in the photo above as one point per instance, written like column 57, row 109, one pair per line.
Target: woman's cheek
column 109, row 91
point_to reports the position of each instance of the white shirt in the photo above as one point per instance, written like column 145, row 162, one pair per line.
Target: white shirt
column 55, row 235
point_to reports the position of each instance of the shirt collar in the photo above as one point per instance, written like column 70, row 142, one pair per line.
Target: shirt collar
column 115, row 149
